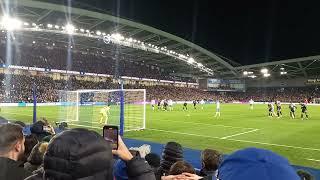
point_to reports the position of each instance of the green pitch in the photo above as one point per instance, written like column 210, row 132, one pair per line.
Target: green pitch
column 238, row 127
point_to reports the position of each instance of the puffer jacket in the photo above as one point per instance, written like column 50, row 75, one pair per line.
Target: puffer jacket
column 80, row 154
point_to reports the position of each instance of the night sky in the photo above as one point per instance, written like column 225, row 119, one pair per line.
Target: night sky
column 247, row 32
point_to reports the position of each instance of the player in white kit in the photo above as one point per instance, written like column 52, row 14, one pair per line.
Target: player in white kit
column 170, row 103
column 251, row 102
column 202, row 103
column 153, row 103
column 217, row 109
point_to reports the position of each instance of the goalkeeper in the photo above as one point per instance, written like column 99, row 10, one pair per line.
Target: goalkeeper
column 104, row 113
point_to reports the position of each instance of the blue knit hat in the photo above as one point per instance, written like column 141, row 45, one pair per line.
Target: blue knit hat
column 258, row 164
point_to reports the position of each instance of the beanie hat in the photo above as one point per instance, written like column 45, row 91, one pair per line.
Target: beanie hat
column 254, row 163
column 153, row 160
column 172, row 153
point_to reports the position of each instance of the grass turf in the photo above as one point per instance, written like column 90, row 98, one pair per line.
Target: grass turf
column 238, row 127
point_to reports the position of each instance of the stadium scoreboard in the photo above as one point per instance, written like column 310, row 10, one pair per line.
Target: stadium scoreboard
column 222, row 85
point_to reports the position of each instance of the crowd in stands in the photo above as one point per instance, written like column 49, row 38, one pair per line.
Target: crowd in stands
column 89, row 62
column 78, row 154
column 20, row 88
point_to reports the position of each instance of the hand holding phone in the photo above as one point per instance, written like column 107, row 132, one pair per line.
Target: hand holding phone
column 122, row 152
column 110, row 134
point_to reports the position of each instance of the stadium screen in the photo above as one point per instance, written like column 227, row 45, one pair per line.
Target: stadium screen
column 222, row 85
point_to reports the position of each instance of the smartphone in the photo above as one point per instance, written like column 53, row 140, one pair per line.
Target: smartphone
column 134, row 152
column 110, row 133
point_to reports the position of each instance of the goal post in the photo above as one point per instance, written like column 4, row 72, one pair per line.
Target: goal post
column 81, row 108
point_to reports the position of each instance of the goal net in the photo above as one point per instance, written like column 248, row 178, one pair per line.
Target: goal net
column 84, row 108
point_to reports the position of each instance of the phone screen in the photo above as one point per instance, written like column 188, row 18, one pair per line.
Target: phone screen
column 110, row 133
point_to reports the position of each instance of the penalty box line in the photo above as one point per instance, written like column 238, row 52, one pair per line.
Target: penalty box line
column 236, row 140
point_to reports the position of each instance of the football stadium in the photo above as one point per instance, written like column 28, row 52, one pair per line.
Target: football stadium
column 68, row 71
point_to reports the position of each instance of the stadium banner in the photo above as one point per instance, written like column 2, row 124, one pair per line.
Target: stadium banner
column 37, row 69
column 103, row 103
column 73, row 72
column 312, row 82
column 58, row 71
column 18, row 67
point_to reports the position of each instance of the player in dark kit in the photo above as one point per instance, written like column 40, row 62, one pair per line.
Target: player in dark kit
column 304, row 110
column 185, row 106
column 165, row 105
column 279, row 112
column 270, row 110
column 292, row 108
column 159, row 104
column 194, row 104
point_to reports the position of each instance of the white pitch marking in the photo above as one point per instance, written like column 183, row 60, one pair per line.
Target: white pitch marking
column 313, row 160
column 238, row 140
column 238, row 134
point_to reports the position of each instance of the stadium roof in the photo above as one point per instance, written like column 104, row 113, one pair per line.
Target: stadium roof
column 42, row 13
column 195, row 62
column 289, row 68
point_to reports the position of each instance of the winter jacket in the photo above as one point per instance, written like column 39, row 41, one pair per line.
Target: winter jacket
column 137, row 169
column 84, row 154
column 12, row 170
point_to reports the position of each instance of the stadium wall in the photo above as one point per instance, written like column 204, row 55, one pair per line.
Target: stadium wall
column 297, row 82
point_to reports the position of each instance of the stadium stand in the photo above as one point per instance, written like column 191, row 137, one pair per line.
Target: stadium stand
column 47, row 91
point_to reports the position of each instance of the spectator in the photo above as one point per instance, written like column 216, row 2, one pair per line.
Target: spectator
column 40, row 129
column 35, row 159
column 11, row 150
column 305, row 175
column 171, row 154
column 210, row 161
column 84, row 154
column 153, row 160
column 253, row 163
column 30, row 141
column 181, row 167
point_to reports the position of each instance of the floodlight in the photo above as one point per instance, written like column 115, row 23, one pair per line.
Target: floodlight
column 82, row 30
column 70, row 28
column 49, row 25
column 283, row 72
column 56, row 26
column 199, row 64
column 190, row 60
column 266, row 75
column 252, row 76
column 98, row 33
column 53, row 44
column 34, row 24
column 150, row 44
column 10, row 23
column 245, row 73
column 87, row 31
column 282, row 69
column 250, row 72
column 264, row 70
column 33, row 42
column 117, row 36
column 130, row 40
column 26, row 24
column 103, row 34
